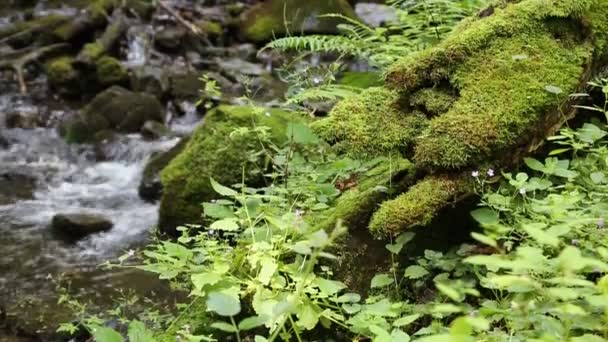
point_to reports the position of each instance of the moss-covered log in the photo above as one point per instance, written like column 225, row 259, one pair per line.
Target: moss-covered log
column 485, row 96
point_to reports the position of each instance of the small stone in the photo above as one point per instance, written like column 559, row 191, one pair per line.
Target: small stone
column 79, row 225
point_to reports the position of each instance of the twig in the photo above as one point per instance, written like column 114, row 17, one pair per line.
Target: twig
column 193, row 28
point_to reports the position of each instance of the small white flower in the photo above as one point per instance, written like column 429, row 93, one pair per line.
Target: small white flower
column 475, row 174
column 522, row 191
column 490, row 173
column 316, row 80
column 267, row 114
column 130, row 253
column 211, row 232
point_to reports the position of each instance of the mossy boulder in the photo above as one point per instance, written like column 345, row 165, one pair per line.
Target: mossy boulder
column 62, row 76
column 115, row 108
column 213, row 152
column 110, row 71
column 268, row 19
column 185, row 86
column 484, row 97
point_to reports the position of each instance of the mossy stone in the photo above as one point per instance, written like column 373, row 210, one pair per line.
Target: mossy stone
column 361, row 79
column 266, row 20
column 62, row 76
column 213, row 152
column 110, row 71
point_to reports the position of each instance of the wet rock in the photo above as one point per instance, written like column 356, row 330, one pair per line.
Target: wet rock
column 115, row 108
column 77, row 226
column 141, row 8
column 170, row 38
column 154, row 130
column 15, row 187
column 23, row 116
column 150, row 79
column 265, row 20
column 185, row 86
column 4, row 143
column 237, row 66
column 375, row 15
column 150, row 188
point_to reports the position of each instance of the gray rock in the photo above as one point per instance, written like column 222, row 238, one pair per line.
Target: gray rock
column 155, row 130
column 150, row 79
column 150, row 188
column 116, row 108
column 237, row 66
column 170, row 38
column 79, row 225
column 375, row 15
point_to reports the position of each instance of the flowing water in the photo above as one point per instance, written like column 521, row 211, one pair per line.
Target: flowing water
column 69, row 179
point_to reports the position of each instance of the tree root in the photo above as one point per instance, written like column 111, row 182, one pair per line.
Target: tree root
column 30, row 55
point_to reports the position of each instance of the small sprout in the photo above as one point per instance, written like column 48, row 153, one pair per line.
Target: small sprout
column 490, row 173
column 475, row 174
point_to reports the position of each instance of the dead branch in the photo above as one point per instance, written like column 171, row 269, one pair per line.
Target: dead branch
column 188, row 25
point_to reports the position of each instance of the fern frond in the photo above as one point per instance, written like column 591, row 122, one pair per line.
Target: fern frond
column 315, row 43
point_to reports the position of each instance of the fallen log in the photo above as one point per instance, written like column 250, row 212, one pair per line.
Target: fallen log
column 485, row 97
column 110, row 37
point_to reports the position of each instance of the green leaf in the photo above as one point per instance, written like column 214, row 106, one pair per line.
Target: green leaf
column 407, row 320
column 415, row 272
column 485, row 216
column 269, row 267
column 104, row 334
column 302, row 247
column 535, row 231
column 252, row 322
column 553, row 89
column 227, row 225
column 598, row 177
column 217, row 211
column 258, row 338
column 349, row 298
column 449, row 292
column 301, row 134
column 200, row 280
column 381, row 335
column 351, row 308
column 329, row 287
column 534, row 164
column 485, row 239
column 308, row 318
column 222, row 190
column 223, row 326
column 381, row 280
column 223, row 304
column 139, row 333
column 399, row 336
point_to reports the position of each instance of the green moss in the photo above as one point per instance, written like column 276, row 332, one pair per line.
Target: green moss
column 418, row 206
column 212, row 152
column 97, row 13
column 92, row 51
column 502, row 98
column 361, row 79
column 370, row 124
column 111, row 71
column 267, row 20
column 63, row 77
column 211, row 28
column 433, row 101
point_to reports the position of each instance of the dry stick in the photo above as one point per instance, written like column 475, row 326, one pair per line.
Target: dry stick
column 18, row 65
column 184, row 22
